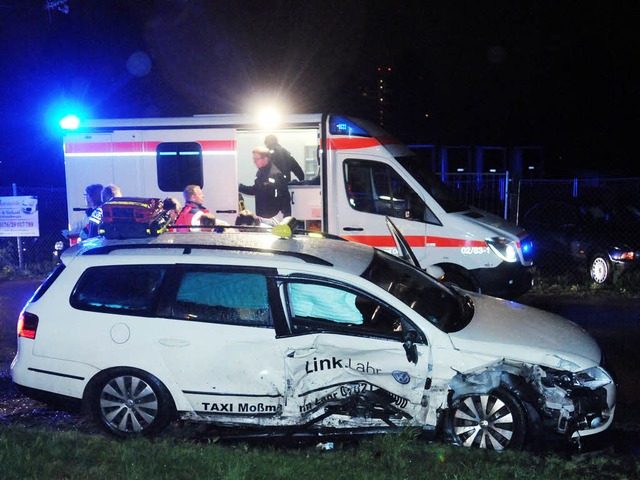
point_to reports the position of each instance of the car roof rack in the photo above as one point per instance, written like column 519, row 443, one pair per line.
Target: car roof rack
column 188, row 248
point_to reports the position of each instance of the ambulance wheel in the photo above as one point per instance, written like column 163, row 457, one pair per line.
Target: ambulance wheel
column 460, row 279
column 493, row 421
column 129, row 403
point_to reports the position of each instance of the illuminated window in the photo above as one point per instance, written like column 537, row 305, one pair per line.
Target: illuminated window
column 179, row 164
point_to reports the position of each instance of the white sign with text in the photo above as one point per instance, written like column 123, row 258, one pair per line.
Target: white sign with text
column 19, row 216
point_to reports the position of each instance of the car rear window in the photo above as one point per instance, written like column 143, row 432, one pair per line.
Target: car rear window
column 238, row 298
column 130, row 290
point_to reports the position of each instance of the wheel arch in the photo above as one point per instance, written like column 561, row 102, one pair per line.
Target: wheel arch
column 167, row 414
column 518, row 388
column 107, row 372
column 456, row 272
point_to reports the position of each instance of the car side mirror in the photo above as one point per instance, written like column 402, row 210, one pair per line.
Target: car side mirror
column 410, row 347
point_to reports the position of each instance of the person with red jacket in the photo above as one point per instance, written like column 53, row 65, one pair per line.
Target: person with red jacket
column 193, row 208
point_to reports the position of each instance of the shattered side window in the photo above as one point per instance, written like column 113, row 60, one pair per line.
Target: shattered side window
column 420, row 292
column 127, row 290
column 327, row 308
column 223, row 297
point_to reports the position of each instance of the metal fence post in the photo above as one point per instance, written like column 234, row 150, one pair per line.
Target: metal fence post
column 518, row 202
column 18, row 239
column 506, row 195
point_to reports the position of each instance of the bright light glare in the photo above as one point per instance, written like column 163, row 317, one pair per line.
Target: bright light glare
column 269, row 117
column 70, row 122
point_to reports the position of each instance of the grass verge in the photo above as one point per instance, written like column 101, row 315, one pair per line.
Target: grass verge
column 627, row 285
column 57, row 455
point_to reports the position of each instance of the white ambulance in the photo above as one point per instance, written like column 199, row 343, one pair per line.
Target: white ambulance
column 356, row 174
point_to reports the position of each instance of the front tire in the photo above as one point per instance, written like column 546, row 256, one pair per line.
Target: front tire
column 600, row 268
column 493, row 421
column 128, row 403
column 460, row 279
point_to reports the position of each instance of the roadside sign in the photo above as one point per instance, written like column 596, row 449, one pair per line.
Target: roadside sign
column 19, row 216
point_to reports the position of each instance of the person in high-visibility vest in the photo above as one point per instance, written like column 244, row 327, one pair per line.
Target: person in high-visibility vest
column 193, row 208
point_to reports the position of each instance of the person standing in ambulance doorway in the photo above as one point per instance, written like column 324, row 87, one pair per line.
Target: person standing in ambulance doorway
column 193, row 208
column 282, row 158
column 269, row 187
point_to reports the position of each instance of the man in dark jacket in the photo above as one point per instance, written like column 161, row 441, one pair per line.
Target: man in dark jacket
column 282, row 158
column 269, row 186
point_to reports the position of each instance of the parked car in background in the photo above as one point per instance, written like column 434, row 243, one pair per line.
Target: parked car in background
column 301, row 335
column 590, row 239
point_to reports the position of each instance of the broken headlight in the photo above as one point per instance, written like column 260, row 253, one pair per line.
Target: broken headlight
column 592, row 378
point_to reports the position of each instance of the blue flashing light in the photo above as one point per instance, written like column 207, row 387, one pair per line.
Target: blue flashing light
column 70, row 122
column 344, row 126
column 527, row 249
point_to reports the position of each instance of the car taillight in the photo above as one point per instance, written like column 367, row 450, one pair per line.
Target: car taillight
column 627, row 255
column 27, row 325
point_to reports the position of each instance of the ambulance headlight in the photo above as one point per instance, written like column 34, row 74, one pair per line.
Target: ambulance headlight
column 504, row 248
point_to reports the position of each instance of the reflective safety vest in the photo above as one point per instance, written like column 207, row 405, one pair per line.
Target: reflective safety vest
column 190, row 216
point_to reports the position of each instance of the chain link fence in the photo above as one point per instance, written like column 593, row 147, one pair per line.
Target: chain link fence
column 588, row 228
column 36, row 253
column 565, row 217
column 582, row 228
column 486, row 191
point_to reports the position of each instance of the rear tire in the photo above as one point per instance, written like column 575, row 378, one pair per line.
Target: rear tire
column 128, row 403
column 493, row 421
column 600, row 268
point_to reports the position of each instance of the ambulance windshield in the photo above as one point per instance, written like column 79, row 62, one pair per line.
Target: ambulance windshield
column 432, row 184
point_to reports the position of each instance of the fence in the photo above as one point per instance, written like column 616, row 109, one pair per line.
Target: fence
column 496, row 193
column 607, row 193
column 572, row 222
column 486, row 191
column 52, row 211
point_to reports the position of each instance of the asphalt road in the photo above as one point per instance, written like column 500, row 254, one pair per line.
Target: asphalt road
column 613, row 321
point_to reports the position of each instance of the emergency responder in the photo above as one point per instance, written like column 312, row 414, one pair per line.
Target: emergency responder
column 193, row 207
column 282, row 158
column 269, row 187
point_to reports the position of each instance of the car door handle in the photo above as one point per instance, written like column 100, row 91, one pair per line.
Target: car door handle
column 174, row 342
column 353, row 229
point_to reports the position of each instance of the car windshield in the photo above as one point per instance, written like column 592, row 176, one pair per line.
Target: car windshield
column 433, row 185
column 441, row 306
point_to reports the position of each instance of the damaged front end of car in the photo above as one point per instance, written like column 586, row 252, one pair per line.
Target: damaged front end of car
column 575, row 403
column 512, row 404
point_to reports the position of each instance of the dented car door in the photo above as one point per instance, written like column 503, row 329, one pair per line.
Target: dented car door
column 350, row 360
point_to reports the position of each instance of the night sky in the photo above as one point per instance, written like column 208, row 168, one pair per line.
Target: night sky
column 558, row 74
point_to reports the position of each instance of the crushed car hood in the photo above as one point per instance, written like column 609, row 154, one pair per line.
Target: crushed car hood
column 512, row 330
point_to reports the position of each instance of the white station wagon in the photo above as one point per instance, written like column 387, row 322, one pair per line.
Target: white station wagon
column 300, row 335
